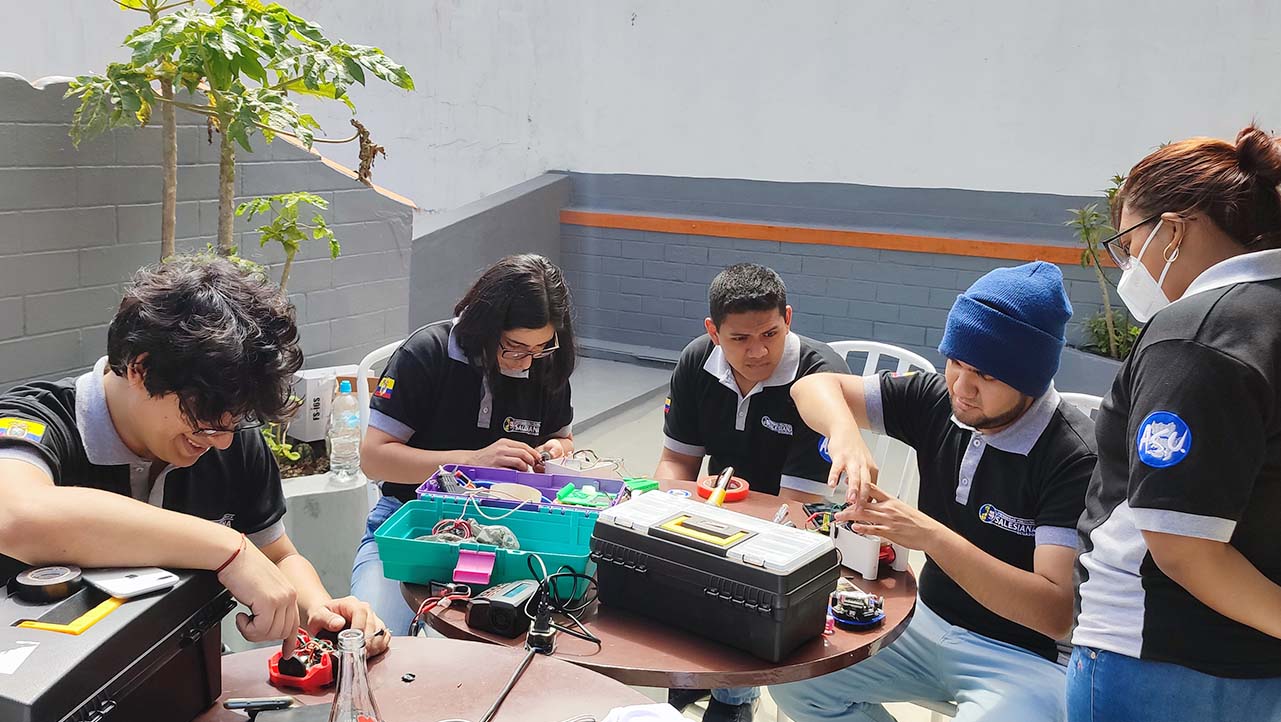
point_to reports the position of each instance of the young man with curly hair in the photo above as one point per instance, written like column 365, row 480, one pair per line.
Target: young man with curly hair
column 154, row 457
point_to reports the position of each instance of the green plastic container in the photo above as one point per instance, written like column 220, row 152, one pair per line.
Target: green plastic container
column 560, row 537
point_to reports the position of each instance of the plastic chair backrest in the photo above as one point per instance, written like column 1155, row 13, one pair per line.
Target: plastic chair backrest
column 1087, row 403
column 362, row 371
column 894, row 459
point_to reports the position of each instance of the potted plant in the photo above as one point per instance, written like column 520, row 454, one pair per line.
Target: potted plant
column 1110, row 333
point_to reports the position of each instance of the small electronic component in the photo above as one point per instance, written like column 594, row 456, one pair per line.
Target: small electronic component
column 588, row 496
column 853, row 608
column 310, row 669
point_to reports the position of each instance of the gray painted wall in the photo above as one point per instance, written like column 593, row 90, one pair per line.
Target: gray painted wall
column 75, row 224
column 946, row 212
column 650, row 289
column 455, row 247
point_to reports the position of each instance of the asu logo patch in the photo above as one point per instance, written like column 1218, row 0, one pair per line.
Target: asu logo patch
column 385, row 386
column 822, row 450
column 1163, row 440
column 25, row 429
column 522, row 426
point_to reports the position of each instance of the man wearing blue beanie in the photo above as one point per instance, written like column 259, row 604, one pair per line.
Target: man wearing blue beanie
column 1004, row 466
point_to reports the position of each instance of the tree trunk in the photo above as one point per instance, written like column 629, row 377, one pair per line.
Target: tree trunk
column 1108, row 317
column 169, row 142
column 284, row 272
column 226, row 190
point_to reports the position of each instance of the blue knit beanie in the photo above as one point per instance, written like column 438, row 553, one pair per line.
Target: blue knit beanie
column 1010, row 324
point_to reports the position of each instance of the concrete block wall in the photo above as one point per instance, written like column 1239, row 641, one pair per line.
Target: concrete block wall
column 649, row 289
column 453, row 248
column 76, row 223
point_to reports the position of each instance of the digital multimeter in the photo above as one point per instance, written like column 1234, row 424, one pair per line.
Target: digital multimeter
column 501, row 608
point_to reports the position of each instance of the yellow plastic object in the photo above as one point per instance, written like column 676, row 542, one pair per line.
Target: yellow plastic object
column 677, row 526
column 83, row 623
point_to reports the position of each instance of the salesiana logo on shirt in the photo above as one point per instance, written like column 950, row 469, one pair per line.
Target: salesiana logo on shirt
column 989, row 514
column 777, row 427
column 522, row 426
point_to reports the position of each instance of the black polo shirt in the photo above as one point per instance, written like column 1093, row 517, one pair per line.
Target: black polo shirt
column 65, row 429
column 1006, row 493
column 1189, row 444
column 430, row 397
column 761, row 434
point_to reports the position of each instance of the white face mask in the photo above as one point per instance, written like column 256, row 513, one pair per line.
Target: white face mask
column 514, row 373
column 1141, row 293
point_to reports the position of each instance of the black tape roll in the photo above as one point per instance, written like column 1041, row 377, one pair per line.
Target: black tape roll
column 48, row 584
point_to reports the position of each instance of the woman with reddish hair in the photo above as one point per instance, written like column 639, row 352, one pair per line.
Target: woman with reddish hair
column 1179, row 578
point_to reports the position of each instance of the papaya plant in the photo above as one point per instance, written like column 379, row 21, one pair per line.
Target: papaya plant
column 246, row 60
column 287, row 229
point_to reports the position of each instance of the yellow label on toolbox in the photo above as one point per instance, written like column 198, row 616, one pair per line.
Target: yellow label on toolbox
column 683, row 524
column 82, row 623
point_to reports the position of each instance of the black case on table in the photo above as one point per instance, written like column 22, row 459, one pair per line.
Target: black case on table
column 766, row 612
column 155, row 658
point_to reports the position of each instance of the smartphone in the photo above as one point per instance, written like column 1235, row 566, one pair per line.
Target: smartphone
column 125, row 583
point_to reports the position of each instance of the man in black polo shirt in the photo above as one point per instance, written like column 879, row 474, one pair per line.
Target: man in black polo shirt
column 730, row 399
column 152, row 458
column 1004, row 465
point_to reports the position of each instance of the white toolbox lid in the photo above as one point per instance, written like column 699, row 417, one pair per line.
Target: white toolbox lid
column 772, row 546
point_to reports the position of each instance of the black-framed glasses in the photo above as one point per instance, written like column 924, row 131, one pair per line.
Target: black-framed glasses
column 249, row 422
column 516, row 355
column 1121, row 254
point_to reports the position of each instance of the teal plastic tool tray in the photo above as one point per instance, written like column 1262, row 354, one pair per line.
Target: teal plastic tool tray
column 560, row 537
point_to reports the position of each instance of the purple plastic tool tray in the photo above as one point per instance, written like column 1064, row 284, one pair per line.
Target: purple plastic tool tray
column 547, row 484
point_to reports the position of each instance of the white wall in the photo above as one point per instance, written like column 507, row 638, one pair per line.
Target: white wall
column 999, row 95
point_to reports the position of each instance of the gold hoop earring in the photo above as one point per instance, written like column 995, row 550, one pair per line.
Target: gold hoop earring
column 1171, row 257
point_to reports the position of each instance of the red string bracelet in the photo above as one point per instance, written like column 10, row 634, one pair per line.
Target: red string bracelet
column 233, row 556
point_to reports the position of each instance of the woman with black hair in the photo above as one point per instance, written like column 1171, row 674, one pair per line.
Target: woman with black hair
column 487, row 388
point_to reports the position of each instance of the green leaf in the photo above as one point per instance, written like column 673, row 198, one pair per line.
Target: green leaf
column 334, row 249
column 353, row 68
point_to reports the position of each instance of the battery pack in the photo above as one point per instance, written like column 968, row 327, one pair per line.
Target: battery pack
column 746, row 582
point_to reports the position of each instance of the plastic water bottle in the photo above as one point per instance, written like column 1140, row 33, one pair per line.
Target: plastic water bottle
column 344, row 436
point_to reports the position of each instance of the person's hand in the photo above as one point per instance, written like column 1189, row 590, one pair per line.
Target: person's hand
column 554, row 448
column 336, row 615
column 851, row 458
column 505, row 454
column 888, row 517
column 259, row 584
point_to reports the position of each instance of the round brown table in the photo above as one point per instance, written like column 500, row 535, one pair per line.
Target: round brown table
column 640, row 651
column 453, row 679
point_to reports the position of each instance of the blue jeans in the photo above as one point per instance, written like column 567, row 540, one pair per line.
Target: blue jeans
column 934, row 661
column 1109, row 687
column 367, row 580
column 736, row 695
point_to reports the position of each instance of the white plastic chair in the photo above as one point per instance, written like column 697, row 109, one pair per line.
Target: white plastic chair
column 362, row 371
column 1087, row 403
column 894, row 459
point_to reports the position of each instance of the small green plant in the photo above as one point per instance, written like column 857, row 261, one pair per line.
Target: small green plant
column 1111, row 332
column 287, row 229
column 1123, row 336
column 277, row 439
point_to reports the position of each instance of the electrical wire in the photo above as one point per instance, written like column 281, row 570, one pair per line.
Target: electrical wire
column 524, row 664
column 549, row 599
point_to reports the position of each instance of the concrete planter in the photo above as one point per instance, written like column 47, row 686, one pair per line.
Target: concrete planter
column 1085, row 373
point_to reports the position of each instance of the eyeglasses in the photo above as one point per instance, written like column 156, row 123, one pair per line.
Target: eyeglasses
column 1121, row 254
column 514, row 355
column 249, row 422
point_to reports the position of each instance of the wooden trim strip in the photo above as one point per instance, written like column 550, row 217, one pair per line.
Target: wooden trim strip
column 1065, row 255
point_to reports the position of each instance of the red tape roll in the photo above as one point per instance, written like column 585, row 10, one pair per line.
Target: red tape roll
column 737, row 491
